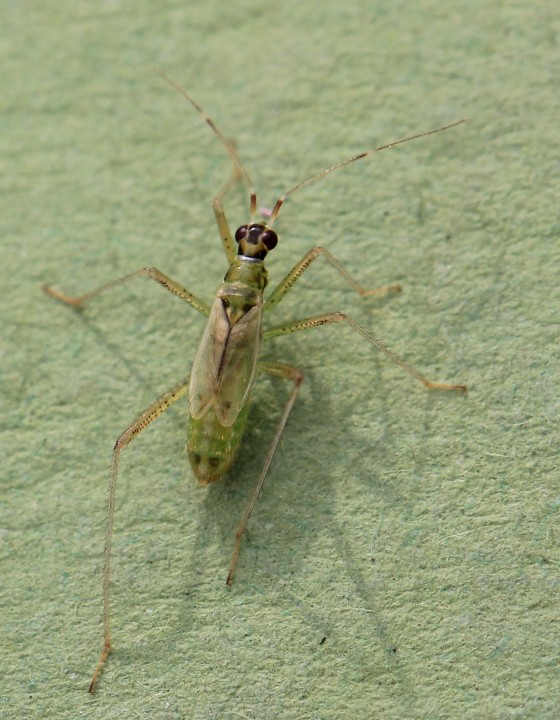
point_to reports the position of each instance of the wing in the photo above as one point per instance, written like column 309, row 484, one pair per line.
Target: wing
column 239, row 366
column 225, row 364
column 208, row 360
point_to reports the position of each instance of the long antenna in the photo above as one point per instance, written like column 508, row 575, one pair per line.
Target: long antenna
column 218, row 133
column 319, row 175
column 232, row 152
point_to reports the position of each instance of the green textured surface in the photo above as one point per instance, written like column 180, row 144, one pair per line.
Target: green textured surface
column 403, row 560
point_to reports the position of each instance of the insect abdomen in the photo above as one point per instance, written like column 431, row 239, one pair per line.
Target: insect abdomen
column 211, row 447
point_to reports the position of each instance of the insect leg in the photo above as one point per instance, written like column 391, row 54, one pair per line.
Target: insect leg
column 288, row 372
column 297, row 271
column 334, row 317
column 220, row 215
column 148, row 416
column 151, row 272
column 223, row 227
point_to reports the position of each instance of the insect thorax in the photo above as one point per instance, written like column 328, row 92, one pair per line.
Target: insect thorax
column 247, row 271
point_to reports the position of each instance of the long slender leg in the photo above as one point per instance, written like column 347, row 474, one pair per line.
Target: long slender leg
column 289, row 372
column 220, row 215
column 334, row 317
column 151, row 272
column 223, row 228
column 147, row 417
column 297, row 271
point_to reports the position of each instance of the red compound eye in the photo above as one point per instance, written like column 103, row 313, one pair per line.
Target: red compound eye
column 269, row 239
column 241, row 232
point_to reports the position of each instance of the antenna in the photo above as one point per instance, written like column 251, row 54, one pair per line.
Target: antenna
column 232, row 152
column 342, row 163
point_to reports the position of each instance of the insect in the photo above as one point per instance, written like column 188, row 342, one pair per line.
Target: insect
column 227, row 360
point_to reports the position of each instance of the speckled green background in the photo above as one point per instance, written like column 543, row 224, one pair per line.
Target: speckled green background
column 403, row 559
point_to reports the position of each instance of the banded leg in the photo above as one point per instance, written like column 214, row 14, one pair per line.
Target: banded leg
column 151, row 272
column 288, row 372
column 142, row 422
column 334, row 317
column 297, row 271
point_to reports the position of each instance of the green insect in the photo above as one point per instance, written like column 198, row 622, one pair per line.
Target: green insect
column 227, row 360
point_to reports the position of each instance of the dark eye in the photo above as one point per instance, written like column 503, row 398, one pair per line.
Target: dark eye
column 241, row 232
column 269, row 239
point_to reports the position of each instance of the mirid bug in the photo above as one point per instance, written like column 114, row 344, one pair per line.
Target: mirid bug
column 227, row 359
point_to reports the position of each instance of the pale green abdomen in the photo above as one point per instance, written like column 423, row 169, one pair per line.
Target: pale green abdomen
column 211, row 447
